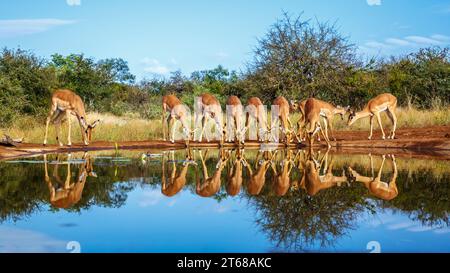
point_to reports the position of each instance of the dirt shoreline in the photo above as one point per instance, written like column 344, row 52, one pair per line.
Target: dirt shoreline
column 429, row 142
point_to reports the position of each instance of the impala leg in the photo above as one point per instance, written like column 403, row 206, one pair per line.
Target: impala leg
column 325, row 127
column 371, row 127
column 381, row 126
column 69, row 139
column 69, row 173
column 330, row 125
column 395, row 123
column 325, row 136
column 172, row 128
column 163, row 176
column 58, row 132
column 247, row 116
column 203, row 128
column 49, row 118
column 318, row 135
column 236, row 129
column 390, row 113
column 83, row 134
column 381, row 168
column 163, row 122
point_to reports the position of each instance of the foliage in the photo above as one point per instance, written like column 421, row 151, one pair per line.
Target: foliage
column 296, row 58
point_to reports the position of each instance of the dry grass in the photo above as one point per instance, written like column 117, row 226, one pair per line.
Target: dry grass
column 111, row 128
column 131, row 127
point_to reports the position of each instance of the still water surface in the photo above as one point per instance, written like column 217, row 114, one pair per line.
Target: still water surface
column 224, row 201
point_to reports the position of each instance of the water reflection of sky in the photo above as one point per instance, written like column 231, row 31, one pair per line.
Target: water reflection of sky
column 151, row 222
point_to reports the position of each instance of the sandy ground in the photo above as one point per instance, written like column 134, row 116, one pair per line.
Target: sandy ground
column 430, row 142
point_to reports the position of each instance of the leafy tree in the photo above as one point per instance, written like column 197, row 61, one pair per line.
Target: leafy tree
column 299, row 58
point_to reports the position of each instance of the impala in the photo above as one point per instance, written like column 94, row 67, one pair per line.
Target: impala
column 282, row 178
column 258, row 179
column 312, row 120
column 176, row 182
column 234, row 173
column 282, row 116
column 207, row 106
column 384, row 102
column 211, row 185
column 327, row 111
column 255, row 110
column 177, row 111
column 313, row 182
column 64, row 104
column 234, row 119
column 68, row 194
column 378, row 188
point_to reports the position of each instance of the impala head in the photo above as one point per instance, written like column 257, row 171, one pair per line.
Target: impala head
column 294, row 105
column 88, row 166
column 342, row 111
column 351, row 117
column 88, row 127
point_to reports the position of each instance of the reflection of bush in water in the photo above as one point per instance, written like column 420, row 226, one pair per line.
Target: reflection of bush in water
column 298, row 221
column 23, row 189
column 424, row 197
column 20, row 195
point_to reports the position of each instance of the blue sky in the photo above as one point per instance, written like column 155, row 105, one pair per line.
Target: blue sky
column 156, row 37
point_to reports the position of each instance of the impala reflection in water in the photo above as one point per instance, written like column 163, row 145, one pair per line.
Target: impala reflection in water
column 224, row 201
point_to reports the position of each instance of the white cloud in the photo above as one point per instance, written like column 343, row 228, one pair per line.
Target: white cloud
column 374, row 2
column 73, row 2
column 408, row 42
column 397, row 42
column 401, row 225
column 153, row 66
column 14, row 240
column 422, row 40
column 20, row 27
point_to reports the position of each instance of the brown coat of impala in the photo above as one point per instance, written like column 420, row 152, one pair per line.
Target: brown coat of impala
column 258, row 179
column 378, row 188
column 234, row 114
column 327, row 111
column 176, row 181
column 255, row 110
column 177, row 111
column 282, row 116
column 207, row 106
column 211, row 185
column 282, row 179
column 382, row 103
column 70, row 193
column 64, row 104
column 234, row 174
column 312, row 120
column 312, row 182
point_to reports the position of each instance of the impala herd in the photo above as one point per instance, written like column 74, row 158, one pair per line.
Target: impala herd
column 280, row 171
column 316, row 116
